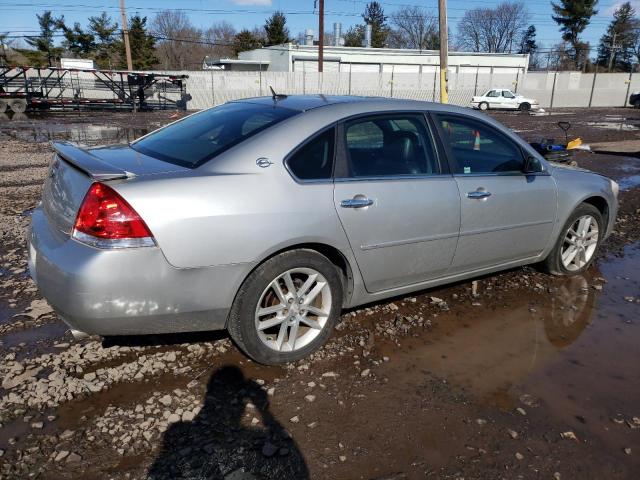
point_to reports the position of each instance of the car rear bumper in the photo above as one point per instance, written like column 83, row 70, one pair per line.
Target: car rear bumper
column 129, row 291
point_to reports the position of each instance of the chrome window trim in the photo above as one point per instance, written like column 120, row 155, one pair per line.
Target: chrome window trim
column 438, row 176
column 514, row 173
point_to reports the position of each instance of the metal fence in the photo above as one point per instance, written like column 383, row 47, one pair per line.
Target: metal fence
column 551, row 89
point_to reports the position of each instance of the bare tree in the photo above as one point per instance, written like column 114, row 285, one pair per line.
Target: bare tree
column 414, row 27
column 493, row 30
column 220, row 37
column 179, row 43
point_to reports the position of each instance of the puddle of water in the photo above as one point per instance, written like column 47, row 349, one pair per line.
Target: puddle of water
column 614, row 125
column 576, row 350
column 627, row 183
column 46, row 129
column 31, row 336
column 491, row 347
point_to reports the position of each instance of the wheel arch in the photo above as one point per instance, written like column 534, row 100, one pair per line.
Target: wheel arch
column 333, row 254
column 601, row 204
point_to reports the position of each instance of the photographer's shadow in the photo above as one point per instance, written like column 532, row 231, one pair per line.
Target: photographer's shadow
column 218, row 444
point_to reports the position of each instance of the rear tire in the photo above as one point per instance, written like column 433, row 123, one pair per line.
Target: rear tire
column 573, row 252
column 524, row 107
column 636, row 104
column 264, row 299
column 483, row 106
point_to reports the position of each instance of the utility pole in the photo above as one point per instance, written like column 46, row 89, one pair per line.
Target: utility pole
column 612, row 51
column 444, row 51
column 321, row 36
column 125, row 34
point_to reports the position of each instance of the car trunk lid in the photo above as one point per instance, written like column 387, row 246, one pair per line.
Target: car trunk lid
column 73, row 170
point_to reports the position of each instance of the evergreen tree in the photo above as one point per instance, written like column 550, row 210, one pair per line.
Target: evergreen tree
column 43, row 43
column 276, row 29
column 573, row 16
column 529, row 44
column 3, row 48
column 374, row 16
column 107, row 44
column 142, row 45
column 79, row 42
column 354, row 37
column 622, row 33
column 245, row 40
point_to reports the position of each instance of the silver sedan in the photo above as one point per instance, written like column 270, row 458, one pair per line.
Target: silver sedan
column 268, row 216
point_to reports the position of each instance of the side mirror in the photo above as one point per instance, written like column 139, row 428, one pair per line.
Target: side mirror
column 531, row 165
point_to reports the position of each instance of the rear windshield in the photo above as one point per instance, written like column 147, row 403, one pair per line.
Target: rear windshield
column 200, row 137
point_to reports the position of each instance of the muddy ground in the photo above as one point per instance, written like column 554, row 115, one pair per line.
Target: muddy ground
column 515, row 375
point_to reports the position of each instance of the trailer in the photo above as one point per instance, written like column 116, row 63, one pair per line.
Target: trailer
column 25, row 88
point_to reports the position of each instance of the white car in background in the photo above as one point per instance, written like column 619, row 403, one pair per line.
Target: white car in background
column 503, row 98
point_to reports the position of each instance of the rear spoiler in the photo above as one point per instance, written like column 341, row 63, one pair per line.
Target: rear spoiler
column 90, row 164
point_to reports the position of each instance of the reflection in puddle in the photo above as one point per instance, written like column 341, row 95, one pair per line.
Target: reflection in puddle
column 49, row 128
column 488, row 349
column 510, row 342
column 627, row 183
column 575, row 350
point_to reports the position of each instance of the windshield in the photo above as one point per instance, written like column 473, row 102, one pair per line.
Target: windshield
column 200, row 137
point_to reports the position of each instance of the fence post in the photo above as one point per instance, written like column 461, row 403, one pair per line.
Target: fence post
column 213, row 91
column 517, row 80
column 350, row 68
column 435, row 77
column 475, row 86
column 553, row 89
column 393, row 68
column 593, row 85
column 260, row 74
column 626, row 98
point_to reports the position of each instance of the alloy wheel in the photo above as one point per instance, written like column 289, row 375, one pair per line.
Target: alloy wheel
column 293, row 309
column 580, row 243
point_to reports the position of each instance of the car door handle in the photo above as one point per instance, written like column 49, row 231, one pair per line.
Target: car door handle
column 356, row 202
column 478, row 194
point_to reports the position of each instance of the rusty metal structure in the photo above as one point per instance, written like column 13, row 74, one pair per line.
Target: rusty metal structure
column 25, row 88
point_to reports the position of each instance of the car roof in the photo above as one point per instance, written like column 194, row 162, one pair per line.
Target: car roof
column 305, row 103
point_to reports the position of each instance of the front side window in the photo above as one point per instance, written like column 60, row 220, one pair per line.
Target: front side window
column 479, row 148
column 389, row 145
column 508, row 94
column 200, row 137
column 314, row 160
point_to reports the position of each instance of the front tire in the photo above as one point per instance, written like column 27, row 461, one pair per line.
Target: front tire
column 287, row 307
column 578, row 242
column 483, row 106
column 524, row 107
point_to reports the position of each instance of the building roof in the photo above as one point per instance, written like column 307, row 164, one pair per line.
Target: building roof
column 212, row 62
column 380, row 51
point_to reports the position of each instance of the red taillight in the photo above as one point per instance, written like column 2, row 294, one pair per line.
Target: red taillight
column 106, row 215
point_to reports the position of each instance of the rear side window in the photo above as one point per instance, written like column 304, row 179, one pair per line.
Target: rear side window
column 200, row 137
column 314, row 160
column 479, row 148
column 389, row 145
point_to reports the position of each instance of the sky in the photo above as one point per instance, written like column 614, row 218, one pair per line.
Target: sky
column 19, row 16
